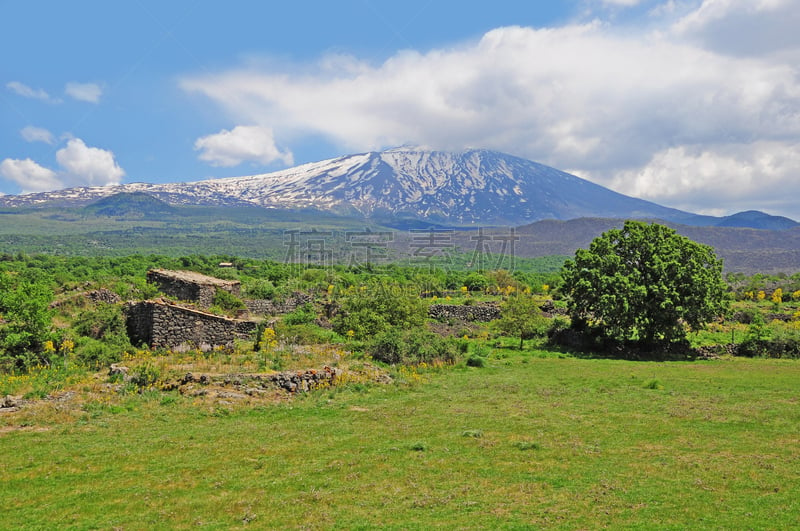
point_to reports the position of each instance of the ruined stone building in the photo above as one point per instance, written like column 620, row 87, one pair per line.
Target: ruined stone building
column 161, row 324
column 191, row 286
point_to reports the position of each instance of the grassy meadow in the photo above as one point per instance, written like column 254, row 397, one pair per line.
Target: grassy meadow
column 534, row 439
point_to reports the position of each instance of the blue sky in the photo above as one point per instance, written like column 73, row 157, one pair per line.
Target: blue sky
column 693, row 104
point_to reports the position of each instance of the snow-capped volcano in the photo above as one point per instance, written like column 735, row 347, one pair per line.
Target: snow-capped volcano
column 468, row 187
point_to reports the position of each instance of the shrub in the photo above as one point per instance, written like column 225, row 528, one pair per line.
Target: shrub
column 261, row 289
column 96, row 354
column 476, row 361
column 481, row 350
column 26, row 321
column 103, row 321
column 145, row 376
column 409, row 347
column 102, row 335
column 476, row 282
column 227, row 301
column 304, row 334
column 528, row 445
column 375, row 309
column 653, row 383
column 302, row 315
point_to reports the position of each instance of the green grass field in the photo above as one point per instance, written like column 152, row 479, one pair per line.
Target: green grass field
column 533, row 440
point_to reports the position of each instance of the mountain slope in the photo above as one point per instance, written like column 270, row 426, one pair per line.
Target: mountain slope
column 404, row 185
column 757, row 220
column 132, row 205
column 470, row 187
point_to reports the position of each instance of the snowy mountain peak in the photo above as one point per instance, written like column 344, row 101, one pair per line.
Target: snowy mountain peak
column 466, row 187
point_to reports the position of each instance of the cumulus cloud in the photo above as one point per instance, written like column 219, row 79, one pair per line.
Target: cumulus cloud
column 88, row 166
column 80, row 165
column 36, row 134
column 25, row 91
column 89, row 92
column 30, row 176
column 244, row 143
column 628, row 108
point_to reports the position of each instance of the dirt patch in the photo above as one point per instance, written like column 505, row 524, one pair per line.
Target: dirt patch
column 10, row 429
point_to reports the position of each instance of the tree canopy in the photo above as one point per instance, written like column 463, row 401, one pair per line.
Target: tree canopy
column 644, row 283
column 521, row 317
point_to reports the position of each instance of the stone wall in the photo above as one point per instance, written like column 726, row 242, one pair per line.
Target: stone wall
column 477, row 312
column 191, row 286
column 270, row 307
column 163, row 325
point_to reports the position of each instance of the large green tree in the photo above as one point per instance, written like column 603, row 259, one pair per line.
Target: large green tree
column 644, row 283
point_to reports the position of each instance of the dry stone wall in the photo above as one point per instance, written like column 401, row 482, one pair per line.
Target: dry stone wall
column 477, row 312
column 256, row 384
column 163, row 325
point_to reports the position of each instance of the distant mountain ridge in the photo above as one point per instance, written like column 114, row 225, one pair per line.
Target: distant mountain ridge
column 135, row 205
column 407, row 185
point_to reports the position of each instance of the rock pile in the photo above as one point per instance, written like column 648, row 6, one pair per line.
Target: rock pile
column 10, row 403
column 256, row 384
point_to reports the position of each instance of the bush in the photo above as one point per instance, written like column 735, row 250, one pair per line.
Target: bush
column 145, row 376
column 227, row 301
column 102, row 335
column 476, row 361
column 303, row 315
column 557, row 325
column 101, row 322
column 261, row 289
column 784, row 344
column 375, row 309
column 480, row 350
column 26, row 321
column 476, row 282
column 97, row 354
column 304, row 334
column 411, row 347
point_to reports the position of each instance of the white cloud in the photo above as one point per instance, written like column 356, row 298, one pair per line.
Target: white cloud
column 25, row 91
column 88, row 166
column 30, row 176
column 89, row 92
column 743, row 27
column 621, row 105
column 241, row 144
column 691, row 178
column 79, row 165
column 37, row 134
